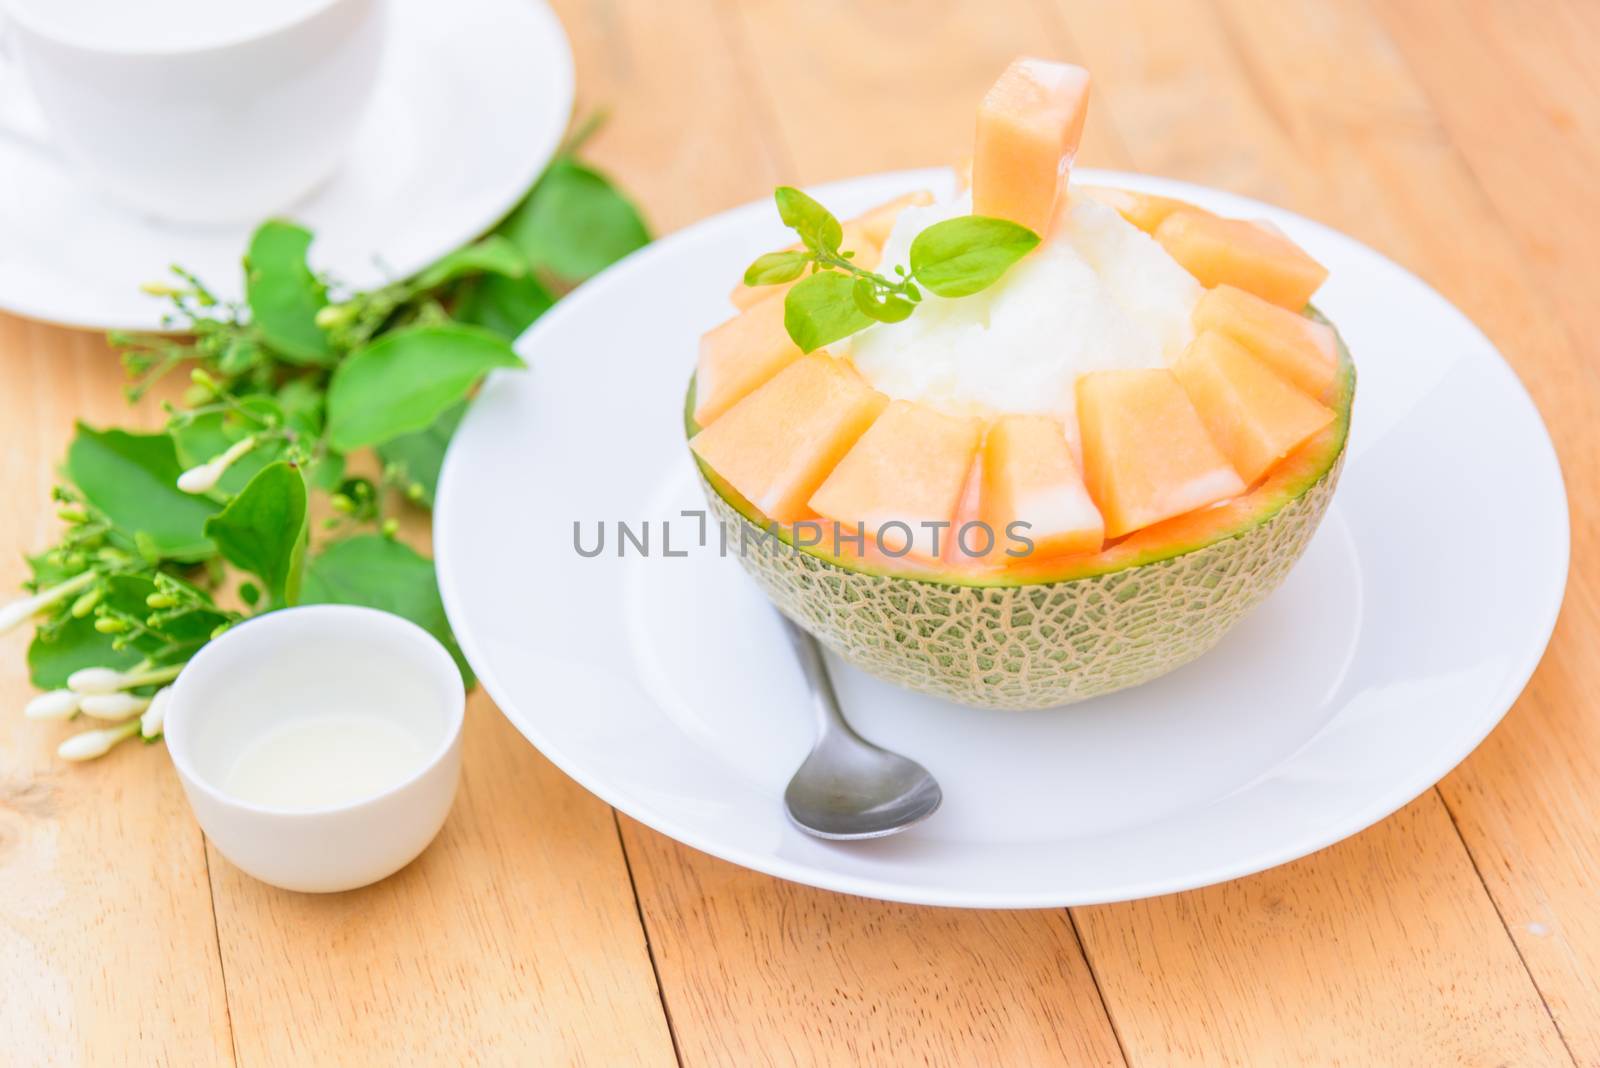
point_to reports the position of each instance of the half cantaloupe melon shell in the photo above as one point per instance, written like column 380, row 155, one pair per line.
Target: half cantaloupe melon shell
column 1048, row 631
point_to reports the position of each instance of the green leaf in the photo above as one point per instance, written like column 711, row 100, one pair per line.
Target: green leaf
column 821, row 309
column 379, row 572
column 419, row 456
column 133, row 479
column 961, row 256
column 775, row 268
column 405, row 380
column 284, row 296
column 207, row 436
column 507, row 306
column 575, row 223
column 55, row 654
column 263, row 531
column 57, row 651
column 494, row 255
column 814, row 223
column 884, row 307
column 300, row 401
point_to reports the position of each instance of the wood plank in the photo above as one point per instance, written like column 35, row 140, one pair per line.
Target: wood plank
column 858, row 88
column 1504, row 165
column 513, row 939
column 755, row 970
column 1381, row 950
column 680, row 135
column 106, row 941
column 1317, row 121
column 516, row 937
column 762, row 971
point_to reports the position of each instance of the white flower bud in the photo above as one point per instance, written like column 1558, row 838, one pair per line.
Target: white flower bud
column 201, row 479
column 20, row 611
column 57, row 704
column 96, row 680
column 204, row 477
column 113, row 705
column 150, row 723
column 91, row 744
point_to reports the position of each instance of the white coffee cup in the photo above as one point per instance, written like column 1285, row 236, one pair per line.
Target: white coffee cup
column 203, row 111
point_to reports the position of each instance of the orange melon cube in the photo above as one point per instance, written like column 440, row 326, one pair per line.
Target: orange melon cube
column 1144, row 210
column 1258, row 259
column 777, row 445
column 1029, row 477
column 867, row 252
column 875, row 225
column 1299, row 349
column 1254, row 416
column 1028, row 130
column 1146, row 454
column 738, row 356
column 908, row 469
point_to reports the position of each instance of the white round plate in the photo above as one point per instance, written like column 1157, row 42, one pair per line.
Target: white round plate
column 472, row 103
column 665, row 686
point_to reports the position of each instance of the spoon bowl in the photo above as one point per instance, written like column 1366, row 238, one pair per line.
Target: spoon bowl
column 849, row 788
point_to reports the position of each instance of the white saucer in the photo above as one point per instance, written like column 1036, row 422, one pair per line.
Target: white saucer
column 665, row 685
column 473, row 101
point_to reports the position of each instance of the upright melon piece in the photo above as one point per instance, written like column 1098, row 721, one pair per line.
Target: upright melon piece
column 739, row 355
column 1255, row 417
column 1028, row 130
column 856, row 239
column 1144, row 210
column 908, row 469
column 777, row 445
column 1302, row 350
column 1255, row 258
column 1146, row 454
column 1029, row 477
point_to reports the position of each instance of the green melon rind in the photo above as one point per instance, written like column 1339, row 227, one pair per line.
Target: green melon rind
column 1037, row 643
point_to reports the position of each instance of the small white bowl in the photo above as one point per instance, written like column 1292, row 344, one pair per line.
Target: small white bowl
column 307, row 662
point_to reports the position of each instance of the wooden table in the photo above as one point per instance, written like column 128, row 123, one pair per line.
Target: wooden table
column 1460, row 137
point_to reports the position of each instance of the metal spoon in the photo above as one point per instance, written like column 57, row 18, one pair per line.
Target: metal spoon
column 849, row 788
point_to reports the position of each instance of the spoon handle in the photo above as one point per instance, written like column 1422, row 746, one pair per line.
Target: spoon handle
column 815, row 670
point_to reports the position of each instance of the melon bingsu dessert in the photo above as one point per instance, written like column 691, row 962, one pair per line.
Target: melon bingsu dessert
column 1030, row 443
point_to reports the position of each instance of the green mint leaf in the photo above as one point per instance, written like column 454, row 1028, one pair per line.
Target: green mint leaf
column 821, row 309
column 284, row 296
column 263, row 531
column 884, row 307
column 775, row 268
column 420, row 456
column 133, row 479
column 494, row 255
column 574, row 223
column 379, row 572
column 961, row 256
column 814, row 223
column 405, row 380
column 506, row 306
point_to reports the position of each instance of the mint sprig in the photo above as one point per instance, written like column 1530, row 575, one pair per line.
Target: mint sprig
column 954, row 258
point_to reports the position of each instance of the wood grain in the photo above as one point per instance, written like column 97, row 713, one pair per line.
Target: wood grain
column 514, row 939
column 107, row 950
column 1459, row 138
column 760, row 971
column 1293, row 103
column 1515, row 143
column 1381, row 950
